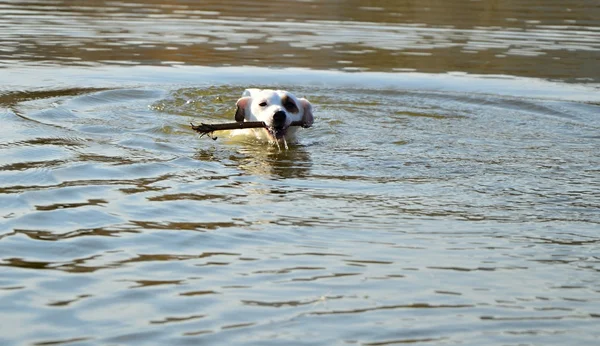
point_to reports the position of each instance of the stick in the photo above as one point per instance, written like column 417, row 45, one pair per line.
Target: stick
column 208, row 129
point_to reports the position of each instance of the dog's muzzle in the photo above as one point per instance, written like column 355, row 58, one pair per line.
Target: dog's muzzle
column 278, row 129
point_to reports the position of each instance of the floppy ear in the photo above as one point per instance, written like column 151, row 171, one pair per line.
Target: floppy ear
column 242, row 105
column 307, row 117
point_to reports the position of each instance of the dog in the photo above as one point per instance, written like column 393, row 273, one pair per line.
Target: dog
column 277, row 109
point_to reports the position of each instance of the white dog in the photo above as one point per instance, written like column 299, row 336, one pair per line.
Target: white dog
column 277, row 109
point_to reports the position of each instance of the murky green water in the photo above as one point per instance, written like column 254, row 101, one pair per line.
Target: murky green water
column 447, row 194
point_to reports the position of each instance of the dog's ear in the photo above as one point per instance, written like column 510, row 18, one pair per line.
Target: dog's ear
column 307, row 117
column 242, row 106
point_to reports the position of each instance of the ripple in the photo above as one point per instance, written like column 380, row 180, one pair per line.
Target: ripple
column 62, row 341
column 403, row 341
column 197, row 293
column 178, row 319
column 391, row 307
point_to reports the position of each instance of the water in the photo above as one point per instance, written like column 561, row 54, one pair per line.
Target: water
column 447, row 194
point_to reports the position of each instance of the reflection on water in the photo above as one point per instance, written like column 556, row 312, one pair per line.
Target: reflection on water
column 254, row 159
column 292, row 163
column 420, row 208
column 549, row 39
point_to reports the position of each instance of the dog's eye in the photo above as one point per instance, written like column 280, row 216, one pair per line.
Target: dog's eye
column 263, row 104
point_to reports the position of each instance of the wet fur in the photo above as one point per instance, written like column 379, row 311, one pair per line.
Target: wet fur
column 268, row 106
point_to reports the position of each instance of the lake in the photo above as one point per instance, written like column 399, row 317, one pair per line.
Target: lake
column 448, row 192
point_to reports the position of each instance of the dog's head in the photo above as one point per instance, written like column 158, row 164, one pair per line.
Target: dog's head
column 276, row 108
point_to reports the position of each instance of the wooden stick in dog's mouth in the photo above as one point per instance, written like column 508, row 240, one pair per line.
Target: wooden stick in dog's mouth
column 207, row 129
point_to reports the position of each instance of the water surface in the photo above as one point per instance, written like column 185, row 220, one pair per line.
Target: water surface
column 438, row 199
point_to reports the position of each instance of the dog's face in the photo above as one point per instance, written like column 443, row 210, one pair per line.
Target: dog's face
column 276, row 108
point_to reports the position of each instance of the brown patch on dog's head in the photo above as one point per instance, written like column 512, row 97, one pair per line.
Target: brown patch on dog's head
column 243, row 106
column 289, row 104
column 307, row 117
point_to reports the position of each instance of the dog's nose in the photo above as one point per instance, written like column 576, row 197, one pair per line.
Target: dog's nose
column 279, row 119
